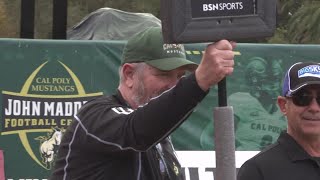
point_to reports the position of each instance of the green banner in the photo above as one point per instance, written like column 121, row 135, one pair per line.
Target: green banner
column 252, row 91
column 45, row 82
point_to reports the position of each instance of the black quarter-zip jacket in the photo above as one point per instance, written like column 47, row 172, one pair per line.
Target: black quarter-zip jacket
column 108, row 140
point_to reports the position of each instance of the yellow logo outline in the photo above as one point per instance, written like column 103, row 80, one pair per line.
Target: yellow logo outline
column 24, row 92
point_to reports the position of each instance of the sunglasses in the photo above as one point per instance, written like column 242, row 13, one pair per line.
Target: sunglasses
column 304, row 99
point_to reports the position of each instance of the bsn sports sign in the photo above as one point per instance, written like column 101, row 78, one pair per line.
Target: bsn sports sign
column 209, row 8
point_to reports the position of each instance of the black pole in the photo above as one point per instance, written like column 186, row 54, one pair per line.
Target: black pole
column 27, row 19
column 222, row 93
column 59, row 25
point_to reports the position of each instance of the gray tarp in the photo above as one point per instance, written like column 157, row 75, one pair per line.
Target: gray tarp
column 111, row 24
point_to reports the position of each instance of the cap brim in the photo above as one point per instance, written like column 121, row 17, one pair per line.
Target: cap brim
column 290, row 93
column 168, row 64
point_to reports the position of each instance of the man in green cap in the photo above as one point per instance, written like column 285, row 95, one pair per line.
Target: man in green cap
column 126, row 136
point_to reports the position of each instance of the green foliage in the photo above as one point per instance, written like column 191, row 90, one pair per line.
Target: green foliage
column 279, row 37
column 303, row 25
column 297, row 20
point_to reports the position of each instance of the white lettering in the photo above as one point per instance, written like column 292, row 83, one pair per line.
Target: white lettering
column 48, row 108
column 120, row 110
column 35, row 108
column 62, row 108
column 16, row 107
column 8, row 110
column 205, row 7
column 222, row 6
column 68, row 109
column 77, row 106
column 25, row 108
column 59, row 109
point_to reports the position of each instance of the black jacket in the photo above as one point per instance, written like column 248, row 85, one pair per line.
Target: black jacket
column 109, row 141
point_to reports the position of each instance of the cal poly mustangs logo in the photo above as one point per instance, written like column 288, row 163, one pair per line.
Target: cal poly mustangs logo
column 42, row 110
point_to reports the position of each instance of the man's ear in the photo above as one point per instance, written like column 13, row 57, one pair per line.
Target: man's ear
column 128, row 74
column 282, row 103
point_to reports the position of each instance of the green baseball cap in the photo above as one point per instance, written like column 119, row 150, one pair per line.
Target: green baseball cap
column 148, row 47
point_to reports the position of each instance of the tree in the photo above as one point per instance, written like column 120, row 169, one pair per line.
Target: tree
column 303, row 26
column 297, row 22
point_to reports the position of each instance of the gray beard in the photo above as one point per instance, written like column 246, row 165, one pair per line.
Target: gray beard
column 139, row 95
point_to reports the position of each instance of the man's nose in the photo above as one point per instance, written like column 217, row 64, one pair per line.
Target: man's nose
column 314, row 105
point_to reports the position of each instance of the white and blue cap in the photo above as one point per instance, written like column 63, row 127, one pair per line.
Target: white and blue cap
column 300, row 75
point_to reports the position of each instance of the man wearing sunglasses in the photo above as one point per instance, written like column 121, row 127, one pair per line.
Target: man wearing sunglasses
column 296, row 154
